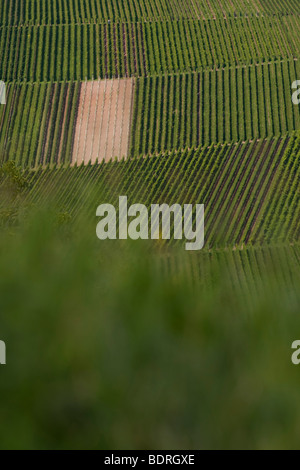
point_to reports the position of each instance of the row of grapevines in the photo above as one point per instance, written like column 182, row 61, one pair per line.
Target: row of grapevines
column 170, row 112
column 37, row 125
column 78, row 11
column 226, row 105
column 249, row 189
column 79, row 51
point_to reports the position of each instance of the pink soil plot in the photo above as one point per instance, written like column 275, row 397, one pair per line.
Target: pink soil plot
column 104, row 121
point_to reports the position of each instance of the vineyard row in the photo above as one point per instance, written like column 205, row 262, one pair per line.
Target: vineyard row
column 250, row 190
column 76, row 11
column 77, row 52
column 168, row 112
column 191, row 110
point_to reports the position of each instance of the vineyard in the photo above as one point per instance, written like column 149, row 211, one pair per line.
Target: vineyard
column 90, row 11
column 192, row 110
column 93, row 122
column 250, row 190
column 164, row 101
column 54, row 107
column 118, row 118
column 107, row 50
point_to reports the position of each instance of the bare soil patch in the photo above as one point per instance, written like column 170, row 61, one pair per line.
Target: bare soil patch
column 104, row 121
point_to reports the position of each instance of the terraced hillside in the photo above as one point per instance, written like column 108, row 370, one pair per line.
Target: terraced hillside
column 203, row 87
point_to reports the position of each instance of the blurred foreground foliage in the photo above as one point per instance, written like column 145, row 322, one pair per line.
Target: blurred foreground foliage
column 111, row 346
column 13, row 185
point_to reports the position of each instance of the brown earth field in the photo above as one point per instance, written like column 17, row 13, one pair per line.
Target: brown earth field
column 103, row 121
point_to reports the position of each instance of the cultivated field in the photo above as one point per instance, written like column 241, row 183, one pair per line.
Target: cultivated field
column 110, row 50
column 103, row 124
column 246, row 187
column 90, row 11
column 205, row 86
column 37, row 124
column 229, row 104
column 141, row 344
